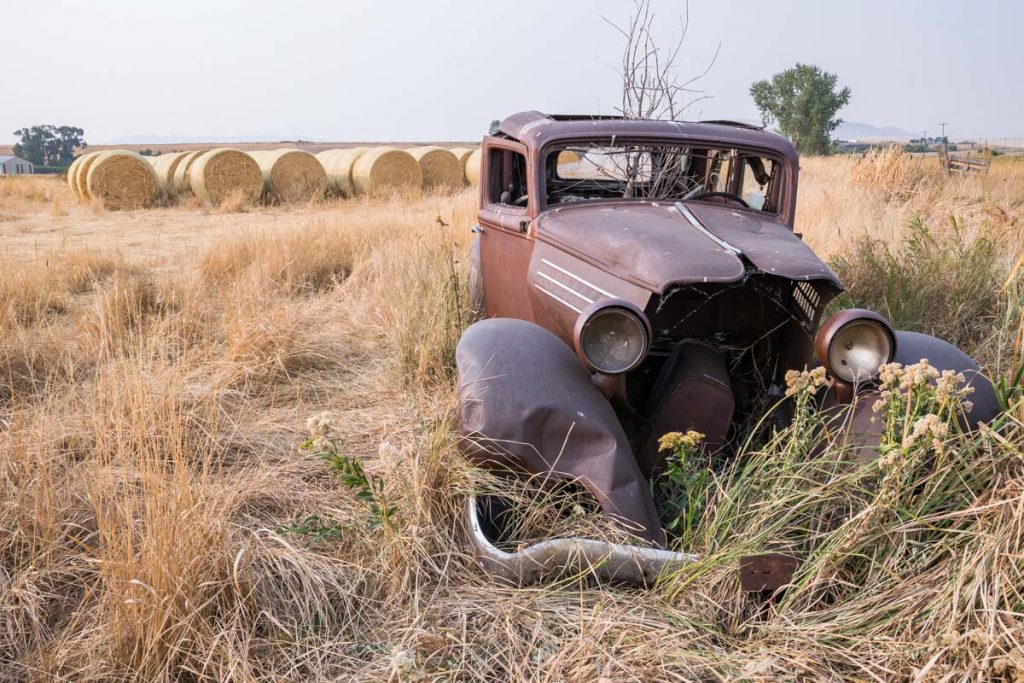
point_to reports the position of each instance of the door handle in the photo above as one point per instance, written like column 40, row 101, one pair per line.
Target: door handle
column 476, row 229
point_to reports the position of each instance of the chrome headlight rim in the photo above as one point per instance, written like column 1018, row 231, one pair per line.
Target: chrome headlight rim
column 611, row 306
column 831, row 332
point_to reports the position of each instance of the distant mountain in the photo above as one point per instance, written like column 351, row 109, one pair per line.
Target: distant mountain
column 851, row 130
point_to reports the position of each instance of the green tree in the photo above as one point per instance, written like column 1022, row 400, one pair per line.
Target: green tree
column 47, row 145
column 803, row 102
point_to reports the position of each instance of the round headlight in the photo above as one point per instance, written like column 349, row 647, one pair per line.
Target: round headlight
column 854, row 344
column 612, row 337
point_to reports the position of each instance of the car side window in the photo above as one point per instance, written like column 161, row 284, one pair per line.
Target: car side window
column 507, row 171
column 757, row 182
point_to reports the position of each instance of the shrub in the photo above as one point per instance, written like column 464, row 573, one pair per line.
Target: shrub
column 942, row 283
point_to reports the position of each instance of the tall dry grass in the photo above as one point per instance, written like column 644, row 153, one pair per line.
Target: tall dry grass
column 844, row 199
column 159, row 520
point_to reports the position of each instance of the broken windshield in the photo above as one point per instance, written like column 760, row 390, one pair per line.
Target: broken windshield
column 599, row 171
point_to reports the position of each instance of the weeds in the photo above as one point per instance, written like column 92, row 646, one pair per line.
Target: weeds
column 681, row 491
column 350, row 473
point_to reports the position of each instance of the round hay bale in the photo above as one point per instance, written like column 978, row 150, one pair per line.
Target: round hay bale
column 71, row 175
column 164, row 166
column 122, row 180
column 82, row 171
column 224, row 172
column 338, row 165
column 473, row 167
column 567, row 156
column 180, row 183
column 382, row 169
column 441, row 168
column 291, row 175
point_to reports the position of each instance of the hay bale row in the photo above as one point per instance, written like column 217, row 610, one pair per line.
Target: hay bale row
column 129, row 180
column 125, row 180
column 371, row 170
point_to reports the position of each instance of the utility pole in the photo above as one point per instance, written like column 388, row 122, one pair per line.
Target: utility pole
column 944, row 152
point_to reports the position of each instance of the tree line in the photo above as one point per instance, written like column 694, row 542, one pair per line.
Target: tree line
column 47, row 145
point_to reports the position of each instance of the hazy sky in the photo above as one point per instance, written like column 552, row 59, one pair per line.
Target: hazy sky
column 442, row 69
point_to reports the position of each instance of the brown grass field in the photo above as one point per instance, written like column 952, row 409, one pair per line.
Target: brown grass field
column 160, row 522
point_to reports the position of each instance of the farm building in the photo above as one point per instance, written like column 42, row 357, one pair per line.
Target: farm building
column 12, row 165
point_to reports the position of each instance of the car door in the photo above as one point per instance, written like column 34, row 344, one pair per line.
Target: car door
column 506, row 244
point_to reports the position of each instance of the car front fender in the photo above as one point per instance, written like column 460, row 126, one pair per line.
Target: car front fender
column 912, row 347
column 864, row 435
column 526, row 402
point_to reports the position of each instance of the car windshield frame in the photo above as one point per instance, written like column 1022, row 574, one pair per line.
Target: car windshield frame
column 776, row 190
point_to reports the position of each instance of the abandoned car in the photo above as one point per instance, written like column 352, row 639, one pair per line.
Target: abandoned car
column 642, row 277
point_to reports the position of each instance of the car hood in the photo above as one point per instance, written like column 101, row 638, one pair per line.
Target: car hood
column 659, row 244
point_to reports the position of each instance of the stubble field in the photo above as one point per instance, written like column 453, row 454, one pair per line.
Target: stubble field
column 160, row 521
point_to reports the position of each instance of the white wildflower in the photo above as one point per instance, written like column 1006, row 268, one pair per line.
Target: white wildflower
column 946, row 385
column 402, row 661
column 918, row 375
column 929, row 425
column 389, row 454
column 804, row 382
column 320, row 425
column 889, row 374
column 322, row 444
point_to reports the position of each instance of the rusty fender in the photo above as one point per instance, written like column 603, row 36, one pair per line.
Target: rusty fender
column 911, row 347
column 527, row 403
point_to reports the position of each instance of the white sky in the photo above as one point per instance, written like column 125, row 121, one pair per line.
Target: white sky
column 442, row 69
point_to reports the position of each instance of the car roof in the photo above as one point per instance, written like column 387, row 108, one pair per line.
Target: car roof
column 536, row 129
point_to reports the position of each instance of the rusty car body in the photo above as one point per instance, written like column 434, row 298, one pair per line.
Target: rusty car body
column 640, row 277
